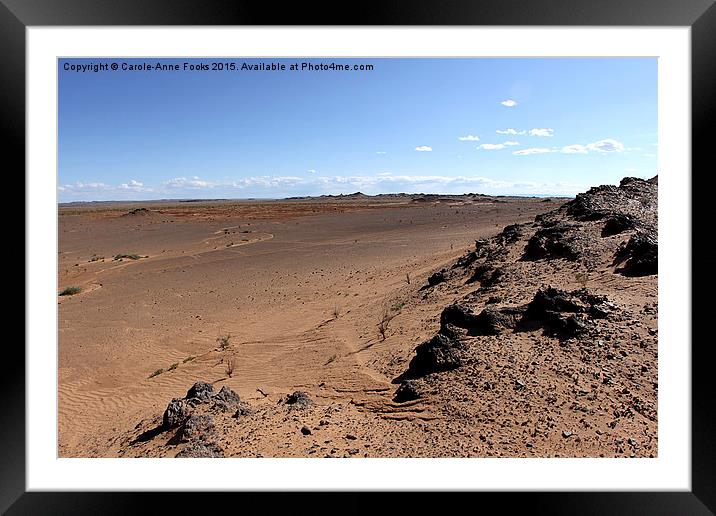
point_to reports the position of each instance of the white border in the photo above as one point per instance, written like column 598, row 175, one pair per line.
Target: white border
column 671, row 470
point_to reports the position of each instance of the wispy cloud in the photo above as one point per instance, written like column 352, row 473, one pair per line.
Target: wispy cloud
column 608, row 145
column 193, row 183
column 575, row 149
column 491, row 146
column 510, row 131
column 541, row 132
column 311, row 170
column 424, row 148
column 510, row 143
column 533, row 150
column 469, row 138
column 133, row 185
column 381, row 152
column 509, row 103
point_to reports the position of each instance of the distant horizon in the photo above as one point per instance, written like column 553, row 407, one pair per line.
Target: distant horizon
column 527, row 127
column 207, row 199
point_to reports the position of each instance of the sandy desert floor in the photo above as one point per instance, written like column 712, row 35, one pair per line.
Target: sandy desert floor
column 300, row 287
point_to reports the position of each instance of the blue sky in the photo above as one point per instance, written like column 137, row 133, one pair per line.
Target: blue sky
column 534, row 126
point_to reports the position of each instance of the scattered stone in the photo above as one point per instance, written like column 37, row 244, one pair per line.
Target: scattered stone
column 226, row 399
column 200, row 449
column 196, row 427
column 351, row 437
column 322, row 422
column 436, row 278
column 243, row 410
column 639, row 255
column 298, row 400
column 487, row 275
column 553, row 241
column 441, row 353
column 175, row 414
column 305, row 430
column 618, row 223
column 566, row 434
column 201, row 391
column 409, row 390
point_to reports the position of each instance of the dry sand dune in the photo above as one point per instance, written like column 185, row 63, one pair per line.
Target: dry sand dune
column 301, row 286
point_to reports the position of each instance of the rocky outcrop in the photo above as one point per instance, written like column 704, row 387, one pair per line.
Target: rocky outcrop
column 441, row 353
column 639, row 256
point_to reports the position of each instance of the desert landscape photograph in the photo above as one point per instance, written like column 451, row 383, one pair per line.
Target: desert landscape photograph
column 357, row 258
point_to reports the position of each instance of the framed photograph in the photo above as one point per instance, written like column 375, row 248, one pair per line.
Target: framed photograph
column 410, row 248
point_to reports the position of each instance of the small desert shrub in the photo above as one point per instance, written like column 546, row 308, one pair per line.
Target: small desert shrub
column 187, row 359
column 156, row 373
column 71, row 291
column 397, row 307
column 336, row 311
column 230, row 366
column 224, row 341
column 95, row 258
column 128, row 256
column 407, row 278
column 173, row 366
column 331, row 359
column 582, row 278
column 384, row 321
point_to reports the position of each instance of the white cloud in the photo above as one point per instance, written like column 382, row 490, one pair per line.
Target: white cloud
column 575, row 149
column 541, row 132
column 508, row 103
column 608, row 145
column 311, row 170
column 132, row 185
column 424, row 148
column 469, row 138
column 512, row 132
column 381, row 152
column 533, row 150
column 84, row 187
column 183, row 182
column 491, row 146
column 511, row 142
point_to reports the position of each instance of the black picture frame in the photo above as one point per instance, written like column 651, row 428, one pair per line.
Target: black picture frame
column 700, row 15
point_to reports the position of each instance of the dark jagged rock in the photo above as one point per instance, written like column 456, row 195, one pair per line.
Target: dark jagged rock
column 553, row 241
column 298, row 399
column 635, row 197
column 639, row 255
column 175, row 414
column 196, row 427
column 466, row 260
column 226, row 399
column 487, row 275
column 201, row 391
column 457, row 315
column 549, row 306
column 409, row 390
column 436, row 278
column 493, row 320
column 200, row 450
column 441, row 353
column 511, row 234
column 618, row 223
column 243, row 410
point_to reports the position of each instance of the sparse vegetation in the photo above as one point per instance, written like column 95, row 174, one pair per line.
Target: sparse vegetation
column 331, row 359
column 407, row 278
column 156, row 373
column 95, row 258
column 582, row 278
column 173, row 366
column 230, row 365
column 71, row 291
column 224, row 341
column 386, row 316
column 188, row 359
column 336, row 311
column 398, row 306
